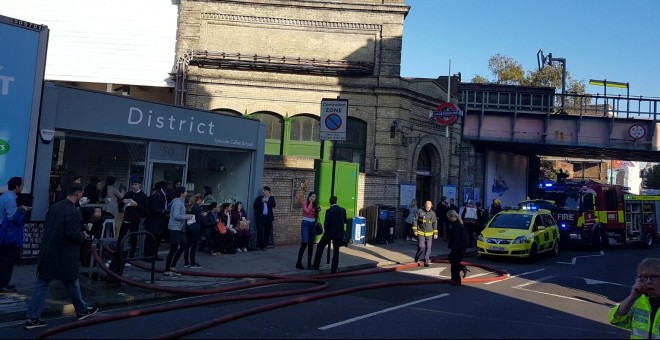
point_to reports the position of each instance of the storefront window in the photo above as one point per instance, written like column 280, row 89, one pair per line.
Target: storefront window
column 91, row 156
column 225, row 172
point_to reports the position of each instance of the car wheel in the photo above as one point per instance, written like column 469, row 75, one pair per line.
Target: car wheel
column 649, row 240
column 533, row 253
column 555, row 249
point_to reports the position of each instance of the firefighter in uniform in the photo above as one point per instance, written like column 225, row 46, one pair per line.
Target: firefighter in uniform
column 639, row 311
column 425, row 227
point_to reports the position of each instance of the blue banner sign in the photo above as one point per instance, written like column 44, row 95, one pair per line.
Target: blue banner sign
column 22, row 64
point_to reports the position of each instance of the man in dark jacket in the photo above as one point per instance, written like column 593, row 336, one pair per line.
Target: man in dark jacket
column 263, row 212
column 59, row 257
column 333, row 230
column 156, row 220
column 135, row 203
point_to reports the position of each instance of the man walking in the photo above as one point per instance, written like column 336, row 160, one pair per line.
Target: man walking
column 263, row 212
column 333, row 230
column 59, row 257
column 11, row 232
column 425, row 227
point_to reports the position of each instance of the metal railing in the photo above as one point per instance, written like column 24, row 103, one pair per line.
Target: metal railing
column 625, row 107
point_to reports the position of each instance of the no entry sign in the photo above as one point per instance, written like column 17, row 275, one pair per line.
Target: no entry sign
column 446, row 114
column 333, row 119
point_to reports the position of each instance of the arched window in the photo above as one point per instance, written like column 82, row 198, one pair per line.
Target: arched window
column 273, row 131
column 303, row 138
column 353, row 149
column 228, row 112
column 304, row 128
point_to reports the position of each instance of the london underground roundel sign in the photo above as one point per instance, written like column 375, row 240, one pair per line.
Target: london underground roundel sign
column 446, row 114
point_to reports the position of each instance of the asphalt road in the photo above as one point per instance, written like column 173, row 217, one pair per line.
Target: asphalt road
column 564, row 297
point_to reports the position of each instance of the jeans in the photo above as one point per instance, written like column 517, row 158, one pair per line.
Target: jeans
column 38, row 301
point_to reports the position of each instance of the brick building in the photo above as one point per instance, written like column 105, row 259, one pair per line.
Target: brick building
column 275, row 60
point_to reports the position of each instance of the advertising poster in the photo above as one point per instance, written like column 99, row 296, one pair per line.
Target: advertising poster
column 506, row 178
column 22, row 65
column 407, row 193
column 449, row 191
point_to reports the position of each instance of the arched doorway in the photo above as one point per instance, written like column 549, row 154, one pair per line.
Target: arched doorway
column 427, row 172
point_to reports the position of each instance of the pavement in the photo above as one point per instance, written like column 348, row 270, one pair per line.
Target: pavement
column 279, row 260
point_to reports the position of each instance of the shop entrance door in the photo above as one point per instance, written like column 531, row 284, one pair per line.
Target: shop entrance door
column 168, row 172
column 166, row 162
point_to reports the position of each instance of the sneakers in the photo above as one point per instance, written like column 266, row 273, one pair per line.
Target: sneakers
column 170, row 274
column 90, row 311
column 239, row 250
column 245, row 250
column 30, row 324
column 407, row 238
column 187, row 265
column 195, row 266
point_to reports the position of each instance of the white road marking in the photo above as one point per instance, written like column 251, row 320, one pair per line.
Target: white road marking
column 337, row 324
column 512, row 276
column 522, row 287
column 598, row 282
column 602, row 253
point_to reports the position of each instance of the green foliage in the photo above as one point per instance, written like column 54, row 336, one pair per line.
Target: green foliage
column 509, row 72
column 479, row 80
column 547, row 170
column 653, row 177
column 506, row 70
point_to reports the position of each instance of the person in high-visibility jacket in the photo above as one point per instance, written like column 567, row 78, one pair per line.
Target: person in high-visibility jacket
column 425, row 227
column 638, row 312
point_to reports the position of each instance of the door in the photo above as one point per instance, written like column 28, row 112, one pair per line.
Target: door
column 167, row 162
column 168, row 172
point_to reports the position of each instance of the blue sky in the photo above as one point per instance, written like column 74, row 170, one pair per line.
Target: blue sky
column 601, row 39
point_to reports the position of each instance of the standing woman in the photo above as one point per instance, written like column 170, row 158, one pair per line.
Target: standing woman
column 310, row 211
column 458, row 242
column 112, row 195
column 176, row 226
column 240, row 222
column 410, row 217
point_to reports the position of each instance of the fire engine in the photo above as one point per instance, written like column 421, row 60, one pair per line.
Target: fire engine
column 597, row 214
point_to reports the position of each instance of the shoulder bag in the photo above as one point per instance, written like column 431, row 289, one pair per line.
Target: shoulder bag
column 222, row 228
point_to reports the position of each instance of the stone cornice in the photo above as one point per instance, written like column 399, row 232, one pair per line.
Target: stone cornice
column 290, row 22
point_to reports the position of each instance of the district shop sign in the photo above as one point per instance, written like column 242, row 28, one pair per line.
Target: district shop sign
column 446, row 114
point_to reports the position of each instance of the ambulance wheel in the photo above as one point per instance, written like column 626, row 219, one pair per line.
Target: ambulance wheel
column 533, row 253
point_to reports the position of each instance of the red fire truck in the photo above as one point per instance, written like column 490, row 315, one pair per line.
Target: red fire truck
column 597, row 214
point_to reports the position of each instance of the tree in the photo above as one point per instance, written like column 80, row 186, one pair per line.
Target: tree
column 509, row 72
column 652, row 177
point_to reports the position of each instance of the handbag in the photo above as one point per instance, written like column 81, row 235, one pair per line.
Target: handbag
column 319, row 228
column 244, row 224
column 222, row 228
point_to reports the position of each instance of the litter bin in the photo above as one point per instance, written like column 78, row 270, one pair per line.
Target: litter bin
column 391, row 222
column 382, row 229
column 359, row 230
column 370, row 213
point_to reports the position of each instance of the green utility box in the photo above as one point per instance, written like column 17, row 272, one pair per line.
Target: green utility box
column 346, row 187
